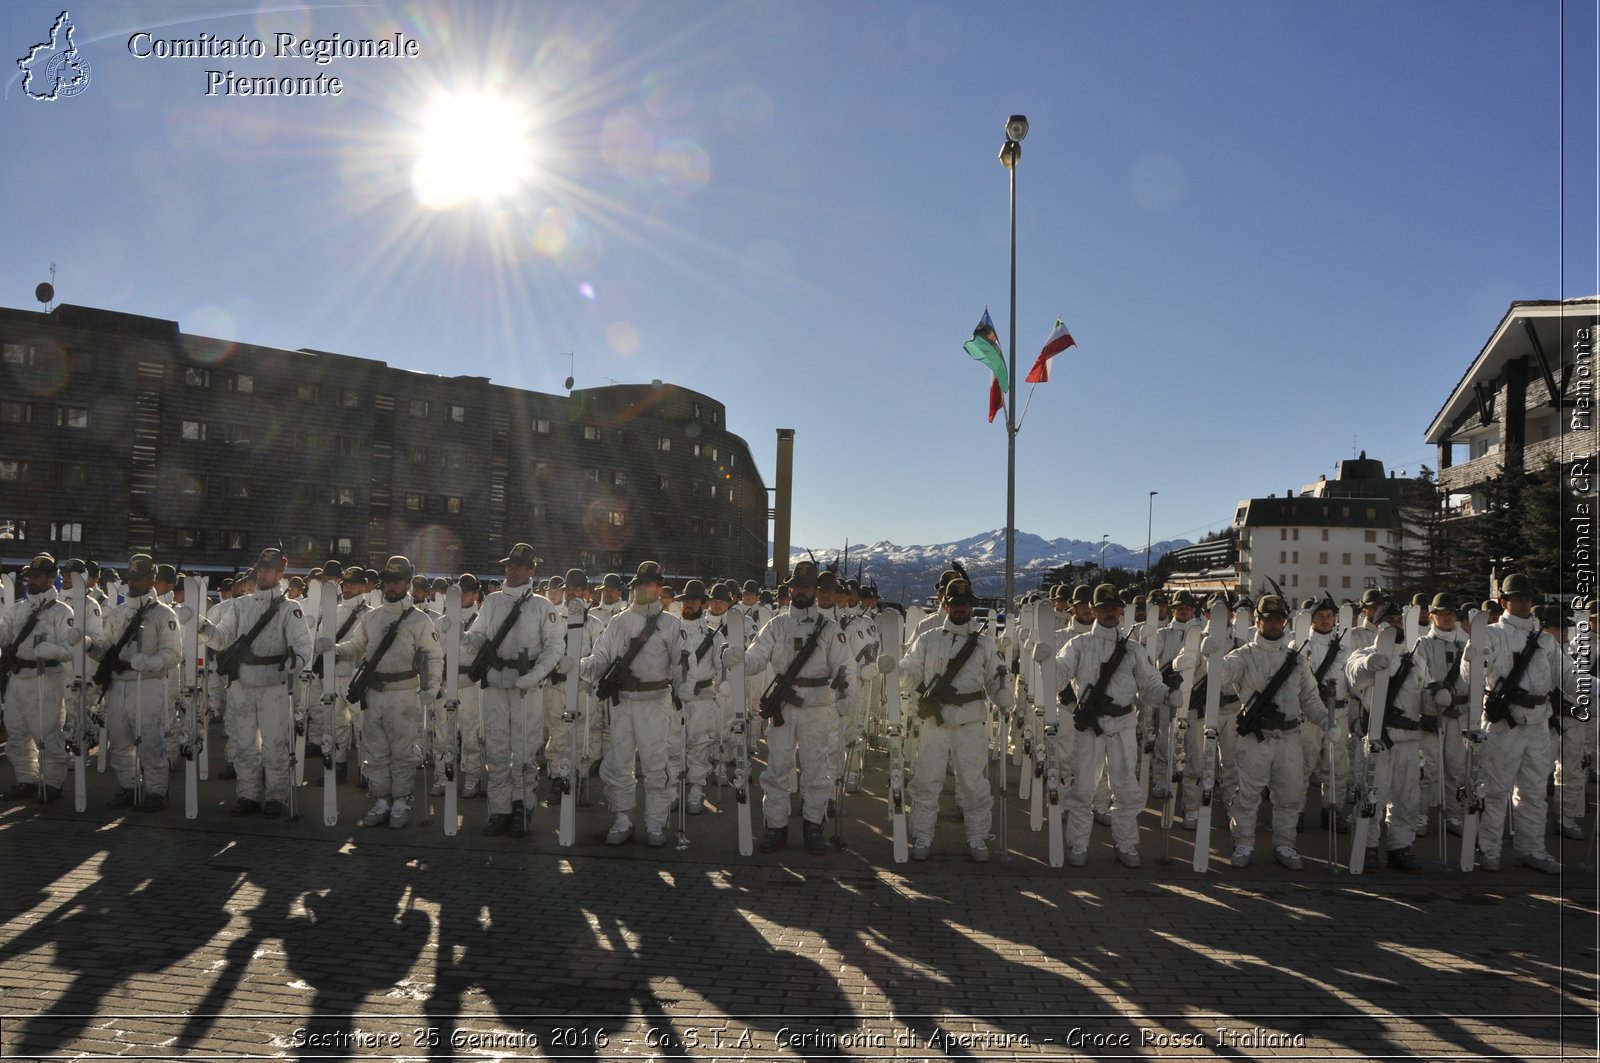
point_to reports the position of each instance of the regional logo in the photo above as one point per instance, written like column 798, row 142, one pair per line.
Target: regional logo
column 55, row 68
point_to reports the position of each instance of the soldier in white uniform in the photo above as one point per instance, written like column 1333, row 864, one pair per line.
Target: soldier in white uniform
column 1327, row 750
column 645, row 643
column 1443, row 751
column 136, row 700
column 1270, row 750
column 1568, row 733
column 469, row 714
column 808, row 713
column 700, row 653
column 950, row 672
column 1105, row 722
column 522, row 641
column 1169, row 640
column 38, row 634
column 352, row 606
column 1517, row 754
column 1397, row 776
column 573, row 594
column 266, row 637
column 398, row 659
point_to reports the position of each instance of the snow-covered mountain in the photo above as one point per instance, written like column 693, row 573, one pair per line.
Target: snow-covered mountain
column 910, row 572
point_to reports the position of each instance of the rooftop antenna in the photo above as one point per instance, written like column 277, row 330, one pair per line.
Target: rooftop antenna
column 612, row 380
column 46, row 292
column 572, row 368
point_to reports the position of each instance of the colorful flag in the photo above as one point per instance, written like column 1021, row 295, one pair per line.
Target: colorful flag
column 1059, row 340
column 984, row 346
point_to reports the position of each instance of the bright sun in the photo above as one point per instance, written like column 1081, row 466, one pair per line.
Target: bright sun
column 474, row 147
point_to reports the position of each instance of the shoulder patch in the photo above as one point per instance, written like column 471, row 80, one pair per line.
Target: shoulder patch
column 172, row 625
column 841, row 636
column 297, row 615
column 550, row 616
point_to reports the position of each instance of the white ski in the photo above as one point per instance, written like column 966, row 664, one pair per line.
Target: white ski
column 1217, row 631
column 1050, row 696
column 327, row 607
column 1367, row 802
column 739, row 723
column 1044, row 624
column 1180, row 723
column 573, row 716
column 452, row 707
column 80, row 732
column 1413, row 622
column 192, row 742
column 889, row 640
column 1473, row 785
column 109, row 588
column 300, row 695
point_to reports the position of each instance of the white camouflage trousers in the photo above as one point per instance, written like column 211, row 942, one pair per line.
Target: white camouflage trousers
column 260, row 730
column 34, row 716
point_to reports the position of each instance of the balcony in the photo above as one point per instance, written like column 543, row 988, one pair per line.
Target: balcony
column 1535, row 456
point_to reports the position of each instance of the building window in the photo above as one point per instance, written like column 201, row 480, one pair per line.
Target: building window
column 662, row 522
column 696, row 526
column 242, row 382
column 417, row 455
column 1296, row 534
column 591, row 432
column 588, row 559
column 193, row 431
column 13, row 471
column 307, row 393
column 16, row 413
column 458, row 414
column 697, row 450
column 538, row 511
column 74, row 476
column 541, row 470
column 68, row 533
column 697, row 411
column 714, row 455
column 541, row 426
column 1283, row 557
column 17, row 354
column 619, row 477
column 413, row 502
column 1345, row 561
column 592, row 474
column 697, row 489
column 1371, row 582
column 663, row 443
column 344, row 495
column 1324, row 534
column 711, row 528
column 1372, row 535
column 234, row 540
column 663, row 484
column 455, row 458
column 191, row 483
column 197, row 376
column 713, row 490
column 732, row 459
column 614, row 559
column 344, row 446
column 418, row 408
column 13, row 529
column 1322, row 558
column 1372, row 559
column 1296, row 556
column 349, row 399
column 238, row 487
column 344, row 546
column 72, row 417
column 1283, row 534
column 730, row 496
column 188, row 538
column 452, row 504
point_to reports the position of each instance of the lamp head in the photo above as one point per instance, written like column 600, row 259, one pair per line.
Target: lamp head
column 1010, row 152
column 1016, row 127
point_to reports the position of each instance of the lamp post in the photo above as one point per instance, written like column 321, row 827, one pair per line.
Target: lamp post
column 1103, row 540
column 1149, row 524
column 1010, row 154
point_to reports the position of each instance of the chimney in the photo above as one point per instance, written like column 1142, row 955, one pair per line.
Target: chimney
column 783, row 505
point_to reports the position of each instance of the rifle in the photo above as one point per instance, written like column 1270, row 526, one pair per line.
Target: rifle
column 1087, row 714
column 1390, row 711
column 781, row 689
column 344, row 629
column 229, row 660
column 1251, row 720
column 359, row 679
column 609, row 688
column 9, row 662
column 112, row 663
column 483, row 660
column 931, row 700
column 1497, row 706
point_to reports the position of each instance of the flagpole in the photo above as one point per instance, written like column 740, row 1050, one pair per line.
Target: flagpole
column 1010, row 153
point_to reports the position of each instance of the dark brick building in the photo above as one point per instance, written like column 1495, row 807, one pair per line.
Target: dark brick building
column 121, row 434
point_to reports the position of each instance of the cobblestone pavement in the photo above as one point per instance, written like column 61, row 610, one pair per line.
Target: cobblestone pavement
column 147, row 936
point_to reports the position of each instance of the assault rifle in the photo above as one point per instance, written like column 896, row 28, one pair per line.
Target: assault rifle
column 9, row 662
column 781, row 690
column 1497, row 706
column 609, row 688
column 112, row 663
column 1252, row 719
column 1087, row 715
column 932, row 698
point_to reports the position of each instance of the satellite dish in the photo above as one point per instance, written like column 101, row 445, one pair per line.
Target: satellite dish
column 568, row 384
column 45, row 292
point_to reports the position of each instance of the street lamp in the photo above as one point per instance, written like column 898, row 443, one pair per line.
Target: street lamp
column 1010, row 154
column 1149, row 523
column 1103, row 540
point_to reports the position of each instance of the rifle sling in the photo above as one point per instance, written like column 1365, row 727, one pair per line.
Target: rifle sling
column 635, row 645
column 946, row 680
column 245, row 646
column 387, row 641
column 785, row 683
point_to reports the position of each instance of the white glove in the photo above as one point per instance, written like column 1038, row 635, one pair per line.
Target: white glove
column 1380, row 662
column 725, row 688
column 1043, row 652
column 1443, row 697
column 139, row 662
column 1330, row 727
column 1174, row 699
column 430, row 694
column 1211, row 645
column 74, row 635
column 527, row 681
column 323, row 645
column 185, row 614
column 886, row 663
column 48, row 651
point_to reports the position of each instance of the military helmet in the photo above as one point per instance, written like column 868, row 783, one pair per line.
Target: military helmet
column 1516, row 585
column 1105, row 594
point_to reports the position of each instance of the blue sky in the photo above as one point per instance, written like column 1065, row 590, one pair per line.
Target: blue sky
column 1279, row 232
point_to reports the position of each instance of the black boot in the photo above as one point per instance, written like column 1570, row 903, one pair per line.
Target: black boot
column 341, row 772
column 1404, row 859
column 227, row 772
column 121, row 799
column 21, row 791
column 816, row 842
column 776, row 838
column 518, row 826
